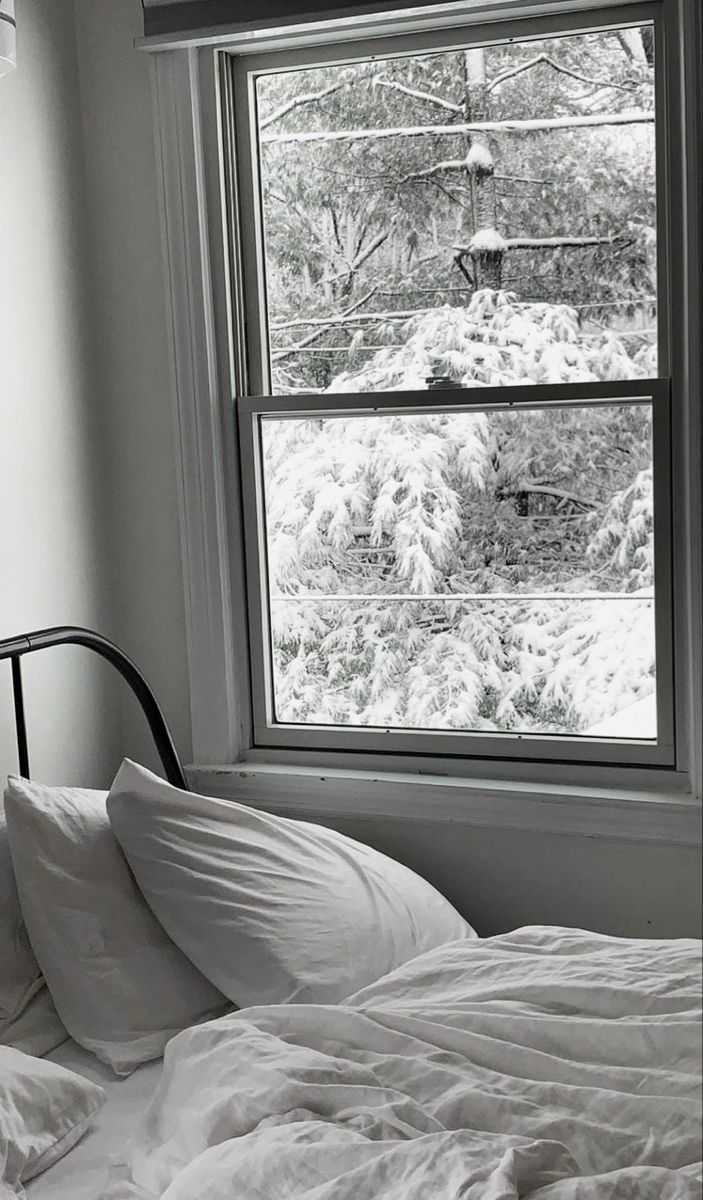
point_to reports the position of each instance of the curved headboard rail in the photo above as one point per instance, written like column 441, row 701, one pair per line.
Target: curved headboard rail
column 64, row 635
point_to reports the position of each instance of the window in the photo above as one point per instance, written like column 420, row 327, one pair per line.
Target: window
column 455, row 447
column 455, row 419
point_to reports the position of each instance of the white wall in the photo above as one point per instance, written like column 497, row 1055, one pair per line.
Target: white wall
column 500, row 878
column 125, row 234
column 52, row 565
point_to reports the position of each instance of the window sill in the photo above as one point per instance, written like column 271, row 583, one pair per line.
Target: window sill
column 308, row 791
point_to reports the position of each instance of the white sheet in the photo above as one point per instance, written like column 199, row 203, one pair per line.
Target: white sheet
column 83, row 1173
column 544, row 1063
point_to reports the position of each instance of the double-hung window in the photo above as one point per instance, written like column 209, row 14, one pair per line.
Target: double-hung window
column 454, row 297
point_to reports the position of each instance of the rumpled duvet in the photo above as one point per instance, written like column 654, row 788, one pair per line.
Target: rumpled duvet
column 546, row 1063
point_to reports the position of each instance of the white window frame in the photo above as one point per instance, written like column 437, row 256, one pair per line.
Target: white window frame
column 192, row 90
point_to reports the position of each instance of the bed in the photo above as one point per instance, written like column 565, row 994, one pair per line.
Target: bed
column 84, row 1173
column 545, row 1063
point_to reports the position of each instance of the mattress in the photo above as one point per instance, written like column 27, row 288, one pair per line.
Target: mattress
column 82, row 1174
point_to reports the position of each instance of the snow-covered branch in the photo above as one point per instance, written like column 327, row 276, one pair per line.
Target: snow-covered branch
column 633, row 45
column 495, row 242
column 298, row 101
column 545, row 243
column 347, row 318
column 318, row 332
column 451, row 164
column 551, row 62
column 533, row 125
column 417, row 95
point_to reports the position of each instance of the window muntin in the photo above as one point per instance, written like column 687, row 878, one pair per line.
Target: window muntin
column 376, row 228
column 270, row 729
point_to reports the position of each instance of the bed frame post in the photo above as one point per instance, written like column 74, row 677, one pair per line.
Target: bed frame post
column 20, row 722
column 73, row 635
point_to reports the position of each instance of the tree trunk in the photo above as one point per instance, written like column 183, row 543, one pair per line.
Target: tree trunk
column 487, row 262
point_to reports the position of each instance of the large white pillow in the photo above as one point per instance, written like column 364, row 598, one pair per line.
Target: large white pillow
column 28, row 1019
column 272, row 910
column 120, row 986
column 44, row 1110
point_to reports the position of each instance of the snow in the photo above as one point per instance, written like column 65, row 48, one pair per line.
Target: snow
column 479, row 157
column 638, row 720
column 487, row 241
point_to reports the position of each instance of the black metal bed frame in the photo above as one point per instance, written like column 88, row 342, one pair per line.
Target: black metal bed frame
column 63, row 635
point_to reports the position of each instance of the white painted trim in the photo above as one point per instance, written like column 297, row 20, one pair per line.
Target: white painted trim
column 309, row 792
column 196, row 410
column 339, row 25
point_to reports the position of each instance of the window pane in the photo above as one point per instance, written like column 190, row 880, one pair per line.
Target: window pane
column 522, row 250
column 479, row 571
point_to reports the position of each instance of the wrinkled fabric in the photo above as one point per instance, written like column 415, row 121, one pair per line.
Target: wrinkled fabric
column 546, row 1063
column 272, row 910
column 44, row 1110
column 120, row 987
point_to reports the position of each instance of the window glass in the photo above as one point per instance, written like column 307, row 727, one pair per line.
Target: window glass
column 521, row 250
column 482, row 570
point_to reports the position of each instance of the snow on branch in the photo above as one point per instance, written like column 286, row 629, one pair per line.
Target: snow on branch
column 451, row 164
column 537, row 125
column 489, row 240
column 379, row 81
column 277, row 355
column 350, row 318
column 298, row 101
column 550, row 62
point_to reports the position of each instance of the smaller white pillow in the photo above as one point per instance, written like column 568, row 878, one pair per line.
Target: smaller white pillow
column 44, row 1110
column 28, row 1019
column 120, row 986
column 272, row 910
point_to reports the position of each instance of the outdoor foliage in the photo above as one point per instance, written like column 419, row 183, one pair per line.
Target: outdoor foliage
column 486, row 258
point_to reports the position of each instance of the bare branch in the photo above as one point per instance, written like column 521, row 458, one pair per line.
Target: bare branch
column 310, row 98
column 539, row 489
column 416, row 95
column 540, row 125
column 550, row 62
column 374, row 245
column 459, row 262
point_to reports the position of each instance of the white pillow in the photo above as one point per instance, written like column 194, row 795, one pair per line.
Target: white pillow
column 121, row 988
column 272, row 910
column 44, row 1110
column 28, row 1019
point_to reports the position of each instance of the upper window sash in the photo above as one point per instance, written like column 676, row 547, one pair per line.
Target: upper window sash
column 244, row 168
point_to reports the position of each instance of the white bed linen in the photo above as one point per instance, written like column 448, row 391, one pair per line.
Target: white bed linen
column 83, row 1173
column 546, row 1063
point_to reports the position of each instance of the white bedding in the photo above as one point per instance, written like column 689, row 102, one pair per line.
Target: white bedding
column 545, row 1063
column 83, row 1173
